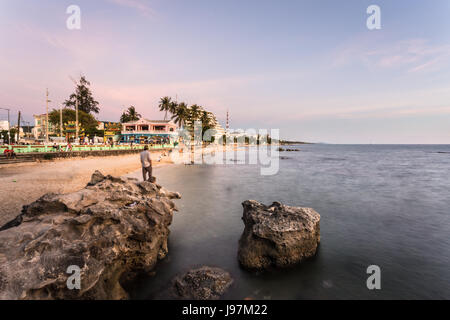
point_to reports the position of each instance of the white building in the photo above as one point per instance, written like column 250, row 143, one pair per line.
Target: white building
column 4, row 125
column 39, row 130
column 145, row 131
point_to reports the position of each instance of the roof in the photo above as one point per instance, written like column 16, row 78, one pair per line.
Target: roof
column 150, row 121
column 159, row 121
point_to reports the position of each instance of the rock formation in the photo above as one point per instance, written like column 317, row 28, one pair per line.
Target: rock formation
column 109, row 230
column 288, row 150
column 277, row 235
column 205, row 283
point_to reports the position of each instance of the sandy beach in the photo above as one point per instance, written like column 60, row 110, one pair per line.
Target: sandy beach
column 25, row 183
column 21, row 184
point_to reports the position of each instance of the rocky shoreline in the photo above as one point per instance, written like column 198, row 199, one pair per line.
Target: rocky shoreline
column 108, row 231
column 114, row 229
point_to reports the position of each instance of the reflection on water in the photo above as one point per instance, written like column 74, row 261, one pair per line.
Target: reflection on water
column 383, row 205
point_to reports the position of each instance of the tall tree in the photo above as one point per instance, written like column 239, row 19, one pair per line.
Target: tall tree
column 165, row 105
column 130, row 115
column 195, row 112
column 83, row 95
column 207, row 123
column 181, row 114
column 173, row 107
column 87, row 121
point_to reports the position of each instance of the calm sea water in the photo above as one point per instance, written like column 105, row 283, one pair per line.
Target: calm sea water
column 379, row 204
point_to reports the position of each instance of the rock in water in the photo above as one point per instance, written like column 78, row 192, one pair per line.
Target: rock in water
column 277, row 235
column 205, row 283
column 109, row 230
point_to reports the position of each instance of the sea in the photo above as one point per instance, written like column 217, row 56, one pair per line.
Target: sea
column 382, row 205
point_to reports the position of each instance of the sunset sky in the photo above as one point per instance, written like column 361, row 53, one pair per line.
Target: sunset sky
column 310, row 68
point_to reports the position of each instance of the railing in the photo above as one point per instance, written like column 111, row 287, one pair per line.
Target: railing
column 49, row 148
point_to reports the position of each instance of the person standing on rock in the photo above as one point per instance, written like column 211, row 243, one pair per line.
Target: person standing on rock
column 146, row 162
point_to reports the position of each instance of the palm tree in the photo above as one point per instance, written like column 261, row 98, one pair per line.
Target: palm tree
column 206, row 121
column 130, row 115
column 133, row 114
column 195, row 112
column 165, row 105
column 173, row 107
column 181, row 114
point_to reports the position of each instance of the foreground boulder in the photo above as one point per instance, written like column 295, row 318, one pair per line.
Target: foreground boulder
column 277, row 235
column 205, row 283
column 106, row 232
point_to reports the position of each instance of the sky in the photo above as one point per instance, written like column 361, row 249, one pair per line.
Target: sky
column 311, row 69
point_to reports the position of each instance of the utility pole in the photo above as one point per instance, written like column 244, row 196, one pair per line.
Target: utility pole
column 76, row 108
column 46, row 117
column 60, row 122
column 9, row 129
column 76, row 118
column 18, row 128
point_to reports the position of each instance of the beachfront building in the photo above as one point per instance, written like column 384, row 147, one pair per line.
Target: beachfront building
column 39, row 129
column 219, row 130
column 149, row 131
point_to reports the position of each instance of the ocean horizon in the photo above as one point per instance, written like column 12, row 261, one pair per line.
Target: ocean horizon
column 379, row 205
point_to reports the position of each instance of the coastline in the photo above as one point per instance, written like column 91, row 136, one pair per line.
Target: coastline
column 21, row 184
column 24, row 183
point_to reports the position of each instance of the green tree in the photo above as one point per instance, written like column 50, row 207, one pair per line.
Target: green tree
column 195, row 112
column 181, row 114
column 87, row 122
column 83, row 95
column 206, row 120
column 173, row 107
column 165, row 104
column 130, row 115
column 4, row 135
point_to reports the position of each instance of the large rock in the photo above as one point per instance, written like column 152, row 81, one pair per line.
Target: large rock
column 277, row 235
column 205, row 283
column 110, row 230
